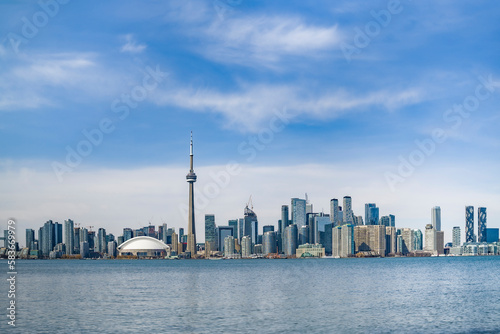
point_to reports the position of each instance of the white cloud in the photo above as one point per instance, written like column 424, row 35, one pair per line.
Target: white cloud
column 252, row 106
column 131, row 45
column 252, row 41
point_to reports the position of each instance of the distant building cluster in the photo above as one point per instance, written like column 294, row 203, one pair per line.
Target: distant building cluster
column 300, row 232
column 303, row 233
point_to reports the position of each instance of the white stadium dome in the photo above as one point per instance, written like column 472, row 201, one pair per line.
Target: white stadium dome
column 143, row 246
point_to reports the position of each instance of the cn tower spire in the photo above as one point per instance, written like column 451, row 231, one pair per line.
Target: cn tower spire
column 191, row 179
column 191, row 153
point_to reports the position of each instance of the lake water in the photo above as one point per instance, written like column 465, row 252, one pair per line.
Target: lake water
column 404, row 295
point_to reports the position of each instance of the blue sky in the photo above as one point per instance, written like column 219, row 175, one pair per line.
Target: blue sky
column 359, row 83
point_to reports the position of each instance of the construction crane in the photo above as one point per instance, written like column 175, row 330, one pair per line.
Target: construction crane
column 250, row 204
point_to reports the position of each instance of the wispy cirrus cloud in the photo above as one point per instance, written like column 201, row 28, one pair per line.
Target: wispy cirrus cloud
column 265, row 40
column 251, row 105
column 131, row 45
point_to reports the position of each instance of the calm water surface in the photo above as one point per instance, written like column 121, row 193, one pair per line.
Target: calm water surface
column 408, row 295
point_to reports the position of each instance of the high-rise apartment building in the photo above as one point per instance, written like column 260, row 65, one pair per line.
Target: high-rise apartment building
column 269, row 242
column 347, row 240
column 348, row 214
column 334, row 211
column 390, row 240
column 284, row 219
column 436, row 218
column 481, row 224
column 418, row 240
column 69, row 236
column 430, row 238
column 456, row 236
column 291, row 233
column 48, row 239
column 229, row 245
column 58, row 233
column 370, row 238
column 101, row 240
column 469, row 224
column 336, row 241
column 246, row 246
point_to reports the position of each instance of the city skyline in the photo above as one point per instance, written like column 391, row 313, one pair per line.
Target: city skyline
column 284, row 99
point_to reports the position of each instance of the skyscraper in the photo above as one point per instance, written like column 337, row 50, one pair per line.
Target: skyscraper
column 222, row 233
column 269, row 242
column 430, row 238
column 241, row 228
column 210, row 236
column 436, row 218
column 284, row 224
column 30, row 238
column 191, row 179
column 418, row 243
column 69, row 236
column 164, row 234
column 334, row 211
column 481, row 224
column 392, row 220
column 390, row 240
column 367, row 212
column 76, row 240
column 385, row 221
column 456, row 236
column 303, row 235
column 336, row 241
column 229, row 246
column 267, row 228
column 101, row 241
column 48, row 240
column 58, row 234
column 298, row 208
column 291, row 233
column 234, row 224
column 348, row 214
column 347, row 240
column 469, row 224
column 246, row 246
column 250, row 227
column 309, row 206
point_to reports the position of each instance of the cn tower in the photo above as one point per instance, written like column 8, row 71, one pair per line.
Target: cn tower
column 191, row 179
